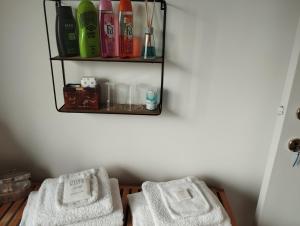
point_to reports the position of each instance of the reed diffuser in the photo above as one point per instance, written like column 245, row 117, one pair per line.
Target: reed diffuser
column 148, row 51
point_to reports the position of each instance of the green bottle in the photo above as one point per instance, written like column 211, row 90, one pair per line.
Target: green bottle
column 87, row 19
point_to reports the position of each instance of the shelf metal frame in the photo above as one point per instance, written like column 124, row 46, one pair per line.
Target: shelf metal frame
column 160, row 60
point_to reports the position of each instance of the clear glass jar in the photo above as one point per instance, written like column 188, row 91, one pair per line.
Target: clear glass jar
column 148, row 51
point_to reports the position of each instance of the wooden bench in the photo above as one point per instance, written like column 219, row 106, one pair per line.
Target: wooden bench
column 11, row 213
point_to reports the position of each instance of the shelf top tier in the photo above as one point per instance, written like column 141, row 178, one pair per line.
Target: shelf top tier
column 157, row 60
column 112, row 0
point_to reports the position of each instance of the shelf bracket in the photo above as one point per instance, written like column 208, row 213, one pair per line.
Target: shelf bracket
column 163, row 5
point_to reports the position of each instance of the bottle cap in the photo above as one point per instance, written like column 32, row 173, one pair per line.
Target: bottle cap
column 105, row 5
column 84, row 82
column 65, row 11
column 125, row 5
column 151, row 95
column 92, row 83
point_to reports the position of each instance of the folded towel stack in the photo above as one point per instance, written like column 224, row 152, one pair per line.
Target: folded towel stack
column 184, row 202
column 88, row 198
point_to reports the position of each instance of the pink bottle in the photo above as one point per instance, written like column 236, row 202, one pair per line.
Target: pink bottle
column 107, row 28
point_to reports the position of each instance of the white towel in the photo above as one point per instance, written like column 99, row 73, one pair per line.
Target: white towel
column 141, row 215
column 63, row 201
column 114, row 219
column 140, row 211
column 215, row 217
column 48, row 211
column 30, row 210
column 183, row 198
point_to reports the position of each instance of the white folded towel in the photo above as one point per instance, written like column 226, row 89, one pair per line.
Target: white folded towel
column 114, row 219
column 140, row 211
column 183, row 198
column 215, row 217
column 141, row 215
column 30, row 210
column 64, row 200
column 47, row 206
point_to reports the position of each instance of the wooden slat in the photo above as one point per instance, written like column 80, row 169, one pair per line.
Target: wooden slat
column 17, row 216
column 12, row 211
column 226, row 205
column 220, row 193
column 126, row 191
column 3, row 209
column 134, row 189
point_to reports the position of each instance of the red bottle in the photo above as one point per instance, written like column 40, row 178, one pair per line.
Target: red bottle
column 125, row 29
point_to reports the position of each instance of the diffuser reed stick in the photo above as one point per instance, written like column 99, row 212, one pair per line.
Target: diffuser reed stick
column 149, row 18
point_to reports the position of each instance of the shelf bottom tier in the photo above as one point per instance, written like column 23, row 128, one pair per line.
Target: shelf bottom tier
column 116, row 109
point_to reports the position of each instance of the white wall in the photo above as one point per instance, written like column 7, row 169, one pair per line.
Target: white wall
column 227, row 62
column 280, row 177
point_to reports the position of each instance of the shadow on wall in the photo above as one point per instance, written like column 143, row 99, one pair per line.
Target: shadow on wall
column 13, row 156
column 124, row 176
column 241, row 202
column 189, row 66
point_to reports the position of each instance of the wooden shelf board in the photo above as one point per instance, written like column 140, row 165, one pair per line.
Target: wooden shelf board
column 116, row 109
column 157, row 60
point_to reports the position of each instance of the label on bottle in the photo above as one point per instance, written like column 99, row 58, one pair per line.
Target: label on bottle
column 70, row 38
column 126, row 34
column 89, row 21
column 107, row 34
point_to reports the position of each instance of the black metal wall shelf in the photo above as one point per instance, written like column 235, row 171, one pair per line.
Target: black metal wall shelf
column 157, row 60
column 118, row 108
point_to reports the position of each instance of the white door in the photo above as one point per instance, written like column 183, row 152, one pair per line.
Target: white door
column 279, row 200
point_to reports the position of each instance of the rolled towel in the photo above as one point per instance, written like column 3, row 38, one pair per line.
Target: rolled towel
column 89, row 190
column 49, row 213
column 140, row 211
column 217, row 216
column 114, row 219
column 183, row 198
